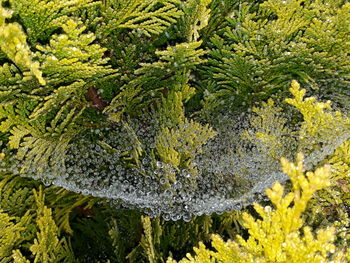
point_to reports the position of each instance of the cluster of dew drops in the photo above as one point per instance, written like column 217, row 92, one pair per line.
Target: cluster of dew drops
column 231, row 173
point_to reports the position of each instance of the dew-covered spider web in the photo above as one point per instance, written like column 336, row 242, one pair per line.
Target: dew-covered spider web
column 232, row 171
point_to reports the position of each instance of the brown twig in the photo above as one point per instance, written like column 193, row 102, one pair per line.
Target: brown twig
column 96, row 100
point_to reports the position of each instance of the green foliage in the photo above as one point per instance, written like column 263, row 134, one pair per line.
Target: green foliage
column 155, row 80
column 164, row 83
column 42, row 121
column 265, row 46
column 220, row 10
column 147, row 17
column 153, row 238
column 64, row 203
column 161, row 239
column 71, row 67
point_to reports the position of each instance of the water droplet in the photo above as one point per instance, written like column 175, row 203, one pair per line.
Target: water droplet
column 159, row 164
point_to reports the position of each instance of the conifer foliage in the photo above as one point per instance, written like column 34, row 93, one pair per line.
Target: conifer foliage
column 167, row 111
column 265, row 46
column 277, row 236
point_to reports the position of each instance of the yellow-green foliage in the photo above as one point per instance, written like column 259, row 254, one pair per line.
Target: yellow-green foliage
column 330, row 205
column 340, row 162
column 70, row 58
column 146, row 16
column 147, row 241
column 172, row 111
column 162, row 238
column 17, row 233
column 196, row 17
column 320, row 127
column 276, row 135
column 40, row 145
column 279, row 235
column 38, row 116
column 11, row 230
column 184, row 55
column 47, row 247
column 18, row 257
column 179, row 139
column 318, row 116
column 267, row 126
column 14, row 44
column 74, row 66
column 42, row 17
column 173, row 67
column 16, row 197
column 180, row 145
column 30, row 226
